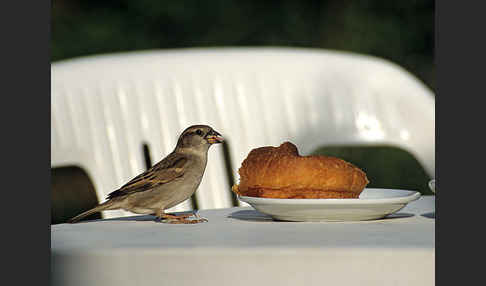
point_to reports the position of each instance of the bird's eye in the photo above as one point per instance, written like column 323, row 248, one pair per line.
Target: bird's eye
column 199, row 132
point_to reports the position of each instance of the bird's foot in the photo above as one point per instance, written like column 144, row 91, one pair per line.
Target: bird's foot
column 198, row 217
column 180, row 219
column 174, row 216
column 185, row 221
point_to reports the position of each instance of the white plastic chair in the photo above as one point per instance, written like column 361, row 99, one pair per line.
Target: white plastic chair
column 105, row 107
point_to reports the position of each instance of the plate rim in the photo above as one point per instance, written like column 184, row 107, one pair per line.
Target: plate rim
column 414, row 195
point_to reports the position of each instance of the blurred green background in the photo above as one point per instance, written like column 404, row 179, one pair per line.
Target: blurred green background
column 400, row 31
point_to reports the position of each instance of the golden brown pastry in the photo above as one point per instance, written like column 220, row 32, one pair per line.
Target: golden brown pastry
column 280, row 172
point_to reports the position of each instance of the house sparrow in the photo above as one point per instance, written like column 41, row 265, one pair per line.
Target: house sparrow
column 167, row 183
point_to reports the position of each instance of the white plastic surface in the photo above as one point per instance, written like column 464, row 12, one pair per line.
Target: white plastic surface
column 105, row 107
column 240, row 246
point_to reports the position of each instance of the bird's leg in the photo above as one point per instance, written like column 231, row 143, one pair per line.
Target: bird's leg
column 159, row 214
column 198, row 218
column 178, row 219
column 183, row 219
column 172, row 219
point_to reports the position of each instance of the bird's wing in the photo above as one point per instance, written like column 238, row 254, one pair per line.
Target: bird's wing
column 165, row 171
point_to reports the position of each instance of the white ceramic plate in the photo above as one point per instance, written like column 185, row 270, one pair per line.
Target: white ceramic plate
column 372, row 204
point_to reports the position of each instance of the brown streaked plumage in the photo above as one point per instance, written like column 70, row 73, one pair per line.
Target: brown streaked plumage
column 167, row 183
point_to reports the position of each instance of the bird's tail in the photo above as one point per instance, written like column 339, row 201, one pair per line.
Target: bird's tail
column 101, row 207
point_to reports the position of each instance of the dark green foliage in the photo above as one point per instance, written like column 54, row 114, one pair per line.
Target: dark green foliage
column 400, row 31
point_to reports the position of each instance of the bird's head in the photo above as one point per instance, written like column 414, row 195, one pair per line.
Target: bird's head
column 199, row 137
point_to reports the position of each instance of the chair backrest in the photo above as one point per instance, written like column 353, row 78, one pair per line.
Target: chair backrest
column 104, row 108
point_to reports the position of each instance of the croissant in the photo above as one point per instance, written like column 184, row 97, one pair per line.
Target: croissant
column 280, row 172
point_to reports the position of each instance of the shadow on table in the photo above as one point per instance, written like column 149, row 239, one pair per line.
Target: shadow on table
column 429, row 215
column 398, row 215
column 250, row 215
column 134, row 218
column 253, row 215
column 127, row 218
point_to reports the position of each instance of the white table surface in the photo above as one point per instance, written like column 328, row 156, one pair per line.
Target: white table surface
column 240, row 246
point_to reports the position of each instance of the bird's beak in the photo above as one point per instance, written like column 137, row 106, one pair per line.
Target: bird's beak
column 214, row 137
